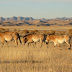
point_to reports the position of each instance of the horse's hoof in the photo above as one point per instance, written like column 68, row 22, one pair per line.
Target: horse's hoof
column 69, row 48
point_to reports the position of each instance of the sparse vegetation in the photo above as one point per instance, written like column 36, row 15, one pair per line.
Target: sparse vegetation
column 60, row 32
column 29, row 59
column 33, row 31
column 50, row 32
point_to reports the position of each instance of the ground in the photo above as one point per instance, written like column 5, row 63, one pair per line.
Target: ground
column 22, row 58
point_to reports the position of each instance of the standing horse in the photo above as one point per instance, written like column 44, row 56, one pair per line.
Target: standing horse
column 8, row 36
column 33, row 38
column 59, row 39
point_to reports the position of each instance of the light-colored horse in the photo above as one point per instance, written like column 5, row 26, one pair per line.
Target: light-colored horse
column 59, row 39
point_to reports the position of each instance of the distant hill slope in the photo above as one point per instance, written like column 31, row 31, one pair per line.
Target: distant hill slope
column 16, row 18
column 18, row 21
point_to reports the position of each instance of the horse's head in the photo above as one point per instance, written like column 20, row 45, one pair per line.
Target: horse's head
column 25, row 40
column 47, row 39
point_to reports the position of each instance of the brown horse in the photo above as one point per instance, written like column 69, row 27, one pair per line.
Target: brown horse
column 8, row 36
column 33, row 38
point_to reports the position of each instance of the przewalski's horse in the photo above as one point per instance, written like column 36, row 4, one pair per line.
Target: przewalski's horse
column 33, row 38
column 8, row 36
column 59, row 39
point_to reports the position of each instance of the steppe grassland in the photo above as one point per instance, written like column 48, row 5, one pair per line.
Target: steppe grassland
column 29, row 59
column 55, row 27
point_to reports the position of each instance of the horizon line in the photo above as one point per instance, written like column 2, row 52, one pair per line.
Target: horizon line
column 36, row 18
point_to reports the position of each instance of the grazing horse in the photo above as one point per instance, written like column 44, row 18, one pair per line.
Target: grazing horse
column 33, row 38
column 59, row 39
column 8, row 36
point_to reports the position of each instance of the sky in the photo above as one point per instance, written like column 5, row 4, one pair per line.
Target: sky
column 36, row 8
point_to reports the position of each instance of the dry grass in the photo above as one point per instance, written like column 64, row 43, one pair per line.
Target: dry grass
column 29, row 59
column 49, row 32
column 16, row 30
column 3, row 30
column 24, row 31
column 60, row 32
column 33, row 31
column 69, row 32
column 38, row 27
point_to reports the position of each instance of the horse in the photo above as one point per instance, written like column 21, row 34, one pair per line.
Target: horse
column 8, row 36
column 58, row 39
column 30, row 38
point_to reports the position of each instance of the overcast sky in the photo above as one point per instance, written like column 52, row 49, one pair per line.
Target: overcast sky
column 36, row 8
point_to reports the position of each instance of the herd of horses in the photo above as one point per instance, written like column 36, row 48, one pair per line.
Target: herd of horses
column 34, row 37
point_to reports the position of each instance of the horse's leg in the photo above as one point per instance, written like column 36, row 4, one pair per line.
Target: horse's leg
column 69, row 44
column 3, row 42
column 55, row 43
column 16, row 40
column 67, row 40
column 29, row 41
column 19, row 39
column 7, row 43
column 47, row 42
column 28, row 44
column 41, row 43
column 34, row 45
column 58, row 44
